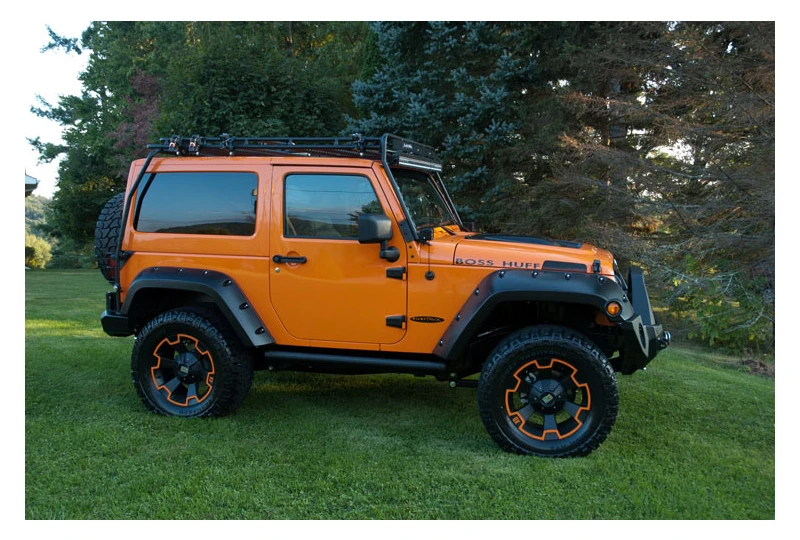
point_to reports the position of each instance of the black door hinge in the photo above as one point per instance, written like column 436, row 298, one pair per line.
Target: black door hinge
column 396, row 321
column 396, row 272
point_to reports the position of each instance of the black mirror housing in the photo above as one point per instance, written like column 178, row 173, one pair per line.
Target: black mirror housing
column 374, row 228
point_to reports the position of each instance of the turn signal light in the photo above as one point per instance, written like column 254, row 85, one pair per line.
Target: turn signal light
column 614, row 308
column 112, row 268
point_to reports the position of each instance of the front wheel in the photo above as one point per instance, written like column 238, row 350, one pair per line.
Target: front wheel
column 189, row 363
column 548, row 391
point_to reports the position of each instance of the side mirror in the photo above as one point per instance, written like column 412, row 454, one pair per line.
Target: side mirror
column 377, row 229
column 374, row 228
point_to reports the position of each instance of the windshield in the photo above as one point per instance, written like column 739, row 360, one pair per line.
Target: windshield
column 423, row 200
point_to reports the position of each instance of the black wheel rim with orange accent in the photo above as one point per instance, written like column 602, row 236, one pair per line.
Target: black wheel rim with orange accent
column 548, row 401
column 183, row 370
column 548, row 391
column 188, row 363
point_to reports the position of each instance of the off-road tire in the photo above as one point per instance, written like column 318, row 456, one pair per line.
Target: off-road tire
column 548, row 391
column 106, row 235
column 188, row 362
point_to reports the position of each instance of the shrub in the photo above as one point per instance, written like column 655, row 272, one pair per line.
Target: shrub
column 37, row 251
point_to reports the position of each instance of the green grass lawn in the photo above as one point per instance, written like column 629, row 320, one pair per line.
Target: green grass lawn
column 695, row 439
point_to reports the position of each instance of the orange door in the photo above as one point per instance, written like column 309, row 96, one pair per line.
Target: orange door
column 324, row 284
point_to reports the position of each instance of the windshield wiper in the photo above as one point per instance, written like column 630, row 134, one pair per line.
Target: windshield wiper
column 432, row 226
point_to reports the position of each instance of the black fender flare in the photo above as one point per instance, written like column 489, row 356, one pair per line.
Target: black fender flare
column 222, row 290
column 522, row 286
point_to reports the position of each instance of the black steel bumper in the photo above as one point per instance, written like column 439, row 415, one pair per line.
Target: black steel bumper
column 113, row 323
column 643, row 336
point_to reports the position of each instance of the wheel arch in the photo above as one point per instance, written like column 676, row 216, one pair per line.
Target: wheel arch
column 510, row 299
column 158, row 289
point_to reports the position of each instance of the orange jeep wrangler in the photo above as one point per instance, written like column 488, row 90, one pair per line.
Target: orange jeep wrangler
column 347, row 255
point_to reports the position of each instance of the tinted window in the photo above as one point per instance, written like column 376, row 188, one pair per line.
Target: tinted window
column 199, row 203
column 326, row 205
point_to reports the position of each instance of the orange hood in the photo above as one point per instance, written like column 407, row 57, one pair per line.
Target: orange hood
column 527, row 253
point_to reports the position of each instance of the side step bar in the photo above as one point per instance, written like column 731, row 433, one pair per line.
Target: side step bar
column 343, row 363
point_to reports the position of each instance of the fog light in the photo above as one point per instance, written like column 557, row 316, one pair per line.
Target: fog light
column 613, row 308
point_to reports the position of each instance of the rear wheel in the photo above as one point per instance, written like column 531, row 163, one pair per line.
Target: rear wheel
column 188, row 363
column 548, row 391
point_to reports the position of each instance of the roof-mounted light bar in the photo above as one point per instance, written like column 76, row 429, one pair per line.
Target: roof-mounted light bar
column 408, row 153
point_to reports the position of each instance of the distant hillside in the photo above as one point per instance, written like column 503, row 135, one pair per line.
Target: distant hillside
column 35, row 210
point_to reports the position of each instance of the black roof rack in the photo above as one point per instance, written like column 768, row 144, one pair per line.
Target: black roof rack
column 389, row 149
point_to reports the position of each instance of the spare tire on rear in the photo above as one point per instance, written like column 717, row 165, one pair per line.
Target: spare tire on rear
column 106, row 236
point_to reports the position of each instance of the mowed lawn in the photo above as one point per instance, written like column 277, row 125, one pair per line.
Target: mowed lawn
column 695, row 439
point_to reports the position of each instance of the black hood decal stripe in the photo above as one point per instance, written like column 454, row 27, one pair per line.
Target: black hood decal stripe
column 524, row 240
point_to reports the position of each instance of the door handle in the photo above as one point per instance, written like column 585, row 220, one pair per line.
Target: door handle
column 284, row 259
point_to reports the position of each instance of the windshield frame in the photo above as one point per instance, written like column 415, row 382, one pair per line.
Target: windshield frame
column 433, row 184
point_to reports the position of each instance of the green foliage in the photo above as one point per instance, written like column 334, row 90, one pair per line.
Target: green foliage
column 35, row 214
column 687, row 155
column 37, row 251
column 724, row 308
column 483, row 93
column 446, row 84
column 245, row 81
column 68, row 254
column 48, row 246
column 60, row 42
column 77, row 204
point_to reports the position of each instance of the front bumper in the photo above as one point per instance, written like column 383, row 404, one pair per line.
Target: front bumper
column 643, row 336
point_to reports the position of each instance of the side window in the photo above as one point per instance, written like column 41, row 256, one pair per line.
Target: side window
column 222, row 203
column 326, row 205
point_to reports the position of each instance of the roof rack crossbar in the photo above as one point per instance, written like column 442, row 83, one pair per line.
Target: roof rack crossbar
column 389, row 149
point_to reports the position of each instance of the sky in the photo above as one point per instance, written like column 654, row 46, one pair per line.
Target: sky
column 49, row 74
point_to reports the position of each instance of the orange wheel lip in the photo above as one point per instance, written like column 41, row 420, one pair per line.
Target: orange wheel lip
column 209, row 376
column 519, row 421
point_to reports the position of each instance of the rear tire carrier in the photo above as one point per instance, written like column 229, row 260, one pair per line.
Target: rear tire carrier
column 106, row 236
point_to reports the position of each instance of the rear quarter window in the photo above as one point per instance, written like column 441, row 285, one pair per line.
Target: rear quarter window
column 205, row 203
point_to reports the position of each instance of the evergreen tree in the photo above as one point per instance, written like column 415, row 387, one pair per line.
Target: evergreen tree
column 679, row 149
column 481, row 92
